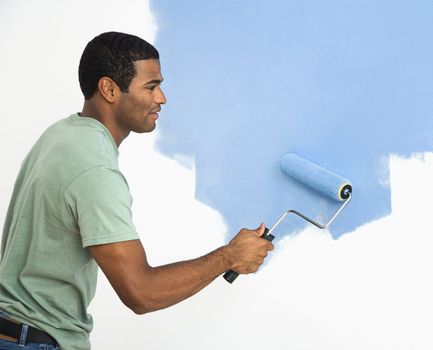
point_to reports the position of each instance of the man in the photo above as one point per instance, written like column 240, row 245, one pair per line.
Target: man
column 71, row 211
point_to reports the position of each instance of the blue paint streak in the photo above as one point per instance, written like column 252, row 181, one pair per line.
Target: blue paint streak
column 341, row 83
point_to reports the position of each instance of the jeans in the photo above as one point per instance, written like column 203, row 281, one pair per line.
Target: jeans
column 21, row 343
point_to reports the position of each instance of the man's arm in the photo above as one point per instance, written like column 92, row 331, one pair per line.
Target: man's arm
column 144, row 288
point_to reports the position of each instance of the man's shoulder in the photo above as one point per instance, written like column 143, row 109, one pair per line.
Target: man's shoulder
column 68, row 148
column 74, row 128
column 80, row 139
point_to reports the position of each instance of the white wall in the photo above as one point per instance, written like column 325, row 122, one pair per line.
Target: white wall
column 368, row 290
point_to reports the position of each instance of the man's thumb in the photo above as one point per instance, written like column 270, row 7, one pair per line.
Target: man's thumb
column 260, row 230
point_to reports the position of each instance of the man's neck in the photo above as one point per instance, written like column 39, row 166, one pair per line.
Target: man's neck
column 91, row 111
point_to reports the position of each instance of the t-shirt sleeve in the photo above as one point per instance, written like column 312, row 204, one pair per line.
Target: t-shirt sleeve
column 100, row 201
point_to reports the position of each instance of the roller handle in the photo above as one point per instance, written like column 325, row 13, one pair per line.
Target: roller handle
column 231, row 275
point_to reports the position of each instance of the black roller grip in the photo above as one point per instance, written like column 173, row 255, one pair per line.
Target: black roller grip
column 231, row 275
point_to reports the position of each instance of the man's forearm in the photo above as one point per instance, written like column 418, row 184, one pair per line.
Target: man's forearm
column 175, row 282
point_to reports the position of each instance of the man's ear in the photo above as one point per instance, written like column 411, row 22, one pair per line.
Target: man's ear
column 108, row 89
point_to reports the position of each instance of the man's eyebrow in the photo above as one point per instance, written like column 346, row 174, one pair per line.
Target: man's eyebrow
column 155, row 81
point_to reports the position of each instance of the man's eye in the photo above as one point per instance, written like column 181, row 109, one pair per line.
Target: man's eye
column 151, row 87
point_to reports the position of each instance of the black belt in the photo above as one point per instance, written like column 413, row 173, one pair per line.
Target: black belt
column 34, row 335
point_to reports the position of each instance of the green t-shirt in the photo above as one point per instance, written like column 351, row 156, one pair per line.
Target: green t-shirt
column 69, row 194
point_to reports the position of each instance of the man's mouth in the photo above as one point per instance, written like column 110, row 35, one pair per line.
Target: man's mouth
column 154, row 115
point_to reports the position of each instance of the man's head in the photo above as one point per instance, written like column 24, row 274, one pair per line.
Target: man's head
column 120, row 78
column 112, row 55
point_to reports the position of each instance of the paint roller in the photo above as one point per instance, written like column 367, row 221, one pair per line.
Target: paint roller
column 317, row 178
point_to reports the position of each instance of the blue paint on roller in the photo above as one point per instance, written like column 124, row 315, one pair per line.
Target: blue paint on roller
column 320, row 179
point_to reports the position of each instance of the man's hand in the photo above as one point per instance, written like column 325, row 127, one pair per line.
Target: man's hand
column 247, row 251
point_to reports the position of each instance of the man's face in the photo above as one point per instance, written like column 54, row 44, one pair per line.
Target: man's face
column 138, row 109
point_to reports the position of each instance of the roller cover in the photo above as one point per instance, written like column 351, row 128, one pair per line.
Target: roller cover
column 316, row 177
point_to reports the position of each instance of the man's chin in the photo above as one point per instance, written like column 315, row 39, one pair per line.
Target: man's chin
column 145, row 129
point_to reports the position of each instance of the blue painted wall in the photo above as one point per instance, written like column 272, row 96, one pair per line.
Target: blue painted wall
column 342, row 83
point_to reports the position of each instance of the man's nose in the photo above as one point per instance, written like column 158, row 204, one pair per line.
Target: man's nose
column 160, row 97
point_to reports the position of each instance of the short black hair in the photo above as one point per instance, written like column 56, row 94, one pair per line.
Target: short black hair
column 112, row 55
